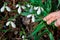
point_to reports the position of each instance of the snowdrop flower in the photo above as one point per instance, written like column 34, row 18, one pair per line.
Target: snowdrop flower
column 33, row 18
column 23, row 7
column 3, row 8
column 28, row 5
column 35, row 8
column 12, row 24
column 8, row 9
column 19, row 8
column 38, row 11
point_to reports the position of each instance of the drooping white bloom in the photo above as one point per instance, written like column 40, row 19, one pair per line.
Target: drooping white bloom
column 28, row 5
column 8, row 9
column 17, row 5
column 5, row 6
column 38, row 11
column 23, row 7
column 19, row 10
column 28, row 16
column 2, row 9
column 33, row 18
column 13, row 25
column 35, row 8
column 23, row 36
column 7, row 24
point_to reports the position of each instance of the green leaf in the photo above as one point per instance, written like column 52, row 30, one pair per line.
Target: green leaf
column 5, row 30
column 38, row 28
column 47, row 5
column 35, row 37
column 25, row 13
column 41, row 34
column 58, row 1
column 36, row 2
column 21, row 33
column 51, row 36
column 44, row 32
column 44, row 13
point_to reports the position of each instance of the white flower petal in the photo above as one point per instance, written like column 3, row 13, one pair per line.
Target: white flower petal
column 33, row 18
column 19, row 10
column 2, row 9
column 31, row 9
column 17, row 5
column 35, row 8
column 8, row 9
column 28, row 16
column 42, row 9
column 28, row 5
column 23, row 36
column 38, row 11
column 23, row 7
column 13, row 25
column 7, row 23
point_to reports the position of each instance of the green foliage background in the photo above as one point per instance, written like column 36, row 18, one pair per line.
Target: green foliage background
column 48, row 6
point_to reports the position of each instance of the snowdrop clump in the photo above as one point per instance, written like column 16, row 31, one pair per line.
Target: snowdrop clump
column 12, row 24
column 31, row 9
column 5, row 7
column 37, row 9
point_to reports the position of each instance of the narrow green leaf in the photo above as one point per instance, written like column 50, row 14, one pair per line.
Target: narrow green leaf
column 44, row 32
column 38, row 28
column 25, row 13
column 58, row 1
column 41, row 34
column 51, row 36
